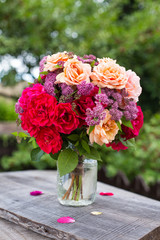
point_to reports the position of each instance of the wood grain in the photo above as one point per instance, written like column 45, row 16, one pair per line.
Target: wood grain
column 126, row 216
column 11, row 231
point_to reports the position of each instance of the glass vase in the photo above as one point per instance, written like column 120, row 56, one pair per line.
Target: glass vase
column 78, row 188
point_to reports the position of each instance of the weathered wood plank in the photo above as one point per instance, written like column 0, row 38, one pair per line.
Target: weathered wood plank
column 126, row 216
column 11, row 231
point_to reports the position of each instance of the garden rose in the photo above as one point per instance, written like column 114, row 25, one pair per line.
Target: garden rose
column 105, row 132
column 41, row 110
column 49, row 140
column 28, row 126
column 109, row 74
column 74, row 72
column 133, row 85
column 28, row 93
column 117, row 146
column 53, row 60
column 65, row 119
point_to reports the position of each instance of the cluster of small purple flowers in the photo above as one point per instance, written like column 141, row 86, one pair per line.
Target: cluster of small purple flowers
column 95, row 115
column 88, row 59
column 49, row 83
column 66, row 89
column 41, row 64
column 85, row 88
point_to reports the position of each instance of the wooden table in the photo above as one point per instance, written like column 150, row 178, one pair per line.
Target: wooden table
column 125, row 216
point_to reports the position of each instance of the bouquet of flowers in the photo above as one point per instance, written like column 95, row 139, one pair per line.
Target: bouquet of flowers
column 77, row 103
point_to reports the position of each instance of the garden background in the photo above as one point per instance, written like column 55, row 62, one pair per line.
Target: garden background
column 126, row 30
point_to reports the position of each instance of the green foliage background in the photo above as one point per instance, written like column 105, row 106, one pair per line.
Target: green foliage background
column 126, row 30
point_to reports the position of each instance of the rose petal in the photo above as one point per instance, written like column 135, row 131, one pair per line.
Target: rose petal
column 96, row 213
column 66, row 220
column 36, row 193
column 106, row 193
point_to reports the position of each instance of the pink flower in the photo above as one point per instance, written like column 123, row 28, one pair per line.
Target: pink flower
column 41, row 110
column 49, row 140
column 109, row 74
column 65, row 119
column 74, row 73
column 133, row 85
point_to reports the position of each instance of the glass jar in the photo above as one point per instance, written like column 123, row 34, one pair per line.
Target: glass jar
column 78, row 188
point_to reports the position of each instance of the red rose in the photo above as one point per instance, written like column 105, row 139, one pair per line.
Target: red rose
column 41, row 110
column 83, row 103
column 30, row 92
column 129, row 132
column 136, row 123
column 65, row 119
column 117, row 146
column 49, row 140
column 28, row 126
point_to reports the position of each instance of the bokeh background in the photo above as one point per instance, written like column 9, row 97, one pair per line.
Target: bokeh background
column 126, row 30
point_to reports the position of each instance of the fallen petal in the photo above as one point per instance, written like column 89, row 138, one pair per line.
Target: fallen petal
column 66, row 220
column 96, row 213
column 106, row 193
column 36, row 193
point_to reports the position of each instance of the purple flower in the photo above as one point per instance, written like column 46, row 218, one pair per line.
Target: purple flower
column 95, row 115
column 41, row 64
column 48, row 86
column 116, row 114
column 102, row 98
column 18, row 108
column 85, row 88
column 66, row 89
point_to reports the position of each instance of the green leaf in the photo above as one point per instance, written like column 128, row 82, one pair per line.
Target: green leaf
column 99, row 91
column 67, row 161
column 85, row 146
column 119, row 125
column 91, row 128
column 94, row 154
column 36, row 154
column 20, row 134
column 127, row 123
column 39, row 78
column 45, row 72
column 92, row 63
column 73, row 137
column 55, row 156
column 31, row 139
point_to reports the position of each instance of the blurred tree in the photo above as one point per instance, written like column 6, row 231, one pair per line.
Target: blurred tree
column 126, row 30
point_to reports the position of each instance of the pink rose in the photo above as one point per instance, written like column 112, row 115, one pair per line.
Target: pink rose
column 74, row 73
column 133, row 85
column 65, row 119
column 28, row 93
column 49, row 140
column 41, row 110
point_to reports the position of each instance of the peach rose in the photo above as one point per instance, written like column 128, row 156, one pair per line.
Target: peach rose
column 74, row 72
column 133, row 85
column 109, row 74
column 53, row 60
column 105, row 132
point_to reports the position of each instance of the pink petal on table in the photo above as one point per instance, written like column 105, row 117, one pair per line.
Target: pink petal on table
column 66, row 220
column 106, row 193
column 36, row 193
